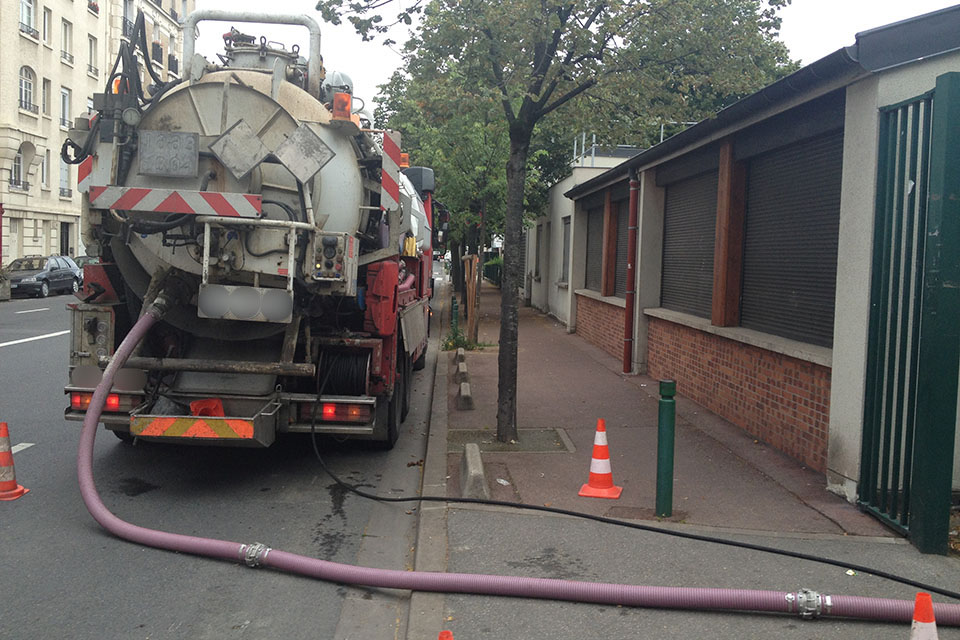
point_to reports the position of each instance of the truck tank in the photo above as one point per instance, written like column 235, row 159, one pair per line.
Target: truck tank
column 298, row 254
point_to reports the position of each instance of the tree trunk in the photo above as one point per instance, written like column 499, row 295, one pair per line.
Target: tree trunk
column 475, row 337
column 513, row 237
column 456, row 267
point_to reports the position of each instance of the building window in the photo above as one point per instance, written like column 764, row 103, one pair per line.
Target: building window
column 66, row 42
column 594, row 274
column 47, row 25
column 64, row 179
column 14, row 226
column 622, row 211
column 790, row 240
column 45, row 170
column 689, row 234
column 27, row 80
column 65, row 107
column 27, row 14
column 92, row 56
column 565, row 269
column 16, row 175
column 45, row 97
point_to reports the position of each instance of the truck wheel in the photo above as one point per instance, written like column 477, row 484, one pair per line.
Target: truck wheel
column 123, row 436
column 421, row 362
column 393, row 410
column 407, row 387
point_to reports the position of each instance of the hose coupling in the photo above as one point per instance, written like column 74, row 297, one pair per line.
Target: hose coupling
column 808, row 604
column 175, row 291
column 254, row 554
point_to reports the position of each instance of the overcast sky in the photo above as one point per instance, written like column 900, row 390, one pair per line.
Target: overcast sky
column 811, row 30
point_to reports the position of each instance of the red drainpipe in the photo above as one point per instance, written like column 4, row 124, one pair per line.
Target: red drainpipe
column 631, row 274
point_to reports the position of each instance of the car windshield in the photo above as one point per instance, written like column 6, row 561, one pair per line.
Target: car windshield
column 27, row 264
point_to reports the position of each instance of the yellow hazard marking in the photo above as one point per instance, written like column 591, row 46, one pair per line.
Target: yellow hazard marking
column 191, row 427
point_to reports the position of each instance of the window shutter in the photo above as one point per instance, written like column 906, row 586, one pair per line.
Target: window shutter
column 790, row 244
column 689, row 231
column 594, row 275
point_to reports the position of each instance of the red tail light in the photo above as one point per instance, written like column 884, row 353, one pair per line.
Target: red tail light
column 337, row 412
column 80, row 401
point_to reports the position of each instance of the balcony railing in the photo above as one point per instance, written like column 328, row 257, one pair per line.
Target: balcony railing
column 30, row 31
column 19, row 185
column 92, row 70
column 66, row 55
column 173, row 14
column 66, row 192
column 65, row 123
column 173, row 65
column 29, row 106
column 156, row 52
column 127, row 28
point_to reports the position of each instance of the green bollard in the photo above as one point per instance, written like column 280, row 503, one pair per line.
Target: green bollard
column 665, row 433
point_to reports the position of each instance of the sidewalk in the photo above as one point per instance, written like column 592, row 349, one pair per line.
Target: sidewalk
column 726, row 485
column 723, row 478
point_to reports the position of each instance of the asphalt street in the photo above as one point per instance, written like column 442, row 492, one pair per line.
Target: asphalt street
column 61, row 575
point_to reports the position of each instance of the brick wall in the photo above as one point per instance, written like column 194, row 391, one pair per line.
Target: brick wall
column 601, row 324
column 778, row 399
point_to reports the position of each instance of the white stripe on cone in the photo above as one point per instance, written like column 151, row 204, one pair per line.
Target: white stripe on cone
column 600, row 466
column 600, row 438
column 923, row 631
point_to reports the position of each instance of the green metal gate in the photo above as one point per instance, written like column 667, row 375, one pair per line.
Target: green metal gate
column 913, row 349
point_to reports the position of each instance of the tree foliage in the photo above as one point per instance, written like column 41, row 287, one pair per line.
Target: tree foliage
column 618, row 67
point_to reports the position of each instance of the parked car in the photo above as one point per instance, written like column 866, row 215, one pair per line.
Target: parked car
column 82, row 260
column 39, row 276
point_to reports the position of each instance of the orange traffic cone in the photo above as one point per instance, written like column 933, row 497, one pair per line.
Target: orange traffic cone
column 924, row 627
column 9, row 489
column 600, row 484
column 445, row 635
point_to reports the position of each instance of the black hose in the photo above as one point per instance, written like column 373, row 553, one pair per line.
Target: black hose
column 642, row 527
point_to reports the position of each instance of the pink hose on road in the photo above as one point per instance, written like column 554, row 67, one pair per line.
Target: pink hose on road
column 616, row 594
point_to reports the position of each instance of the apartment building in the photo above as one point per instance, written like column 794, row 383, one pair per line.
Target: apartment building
column 62, row 51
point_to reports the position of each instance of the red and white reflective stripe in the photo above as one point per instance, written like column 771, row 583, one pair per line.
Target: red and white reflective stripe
column 390, row 172
column 600, row 438
column 202, row 203
column 84, row 173
column 600, row 465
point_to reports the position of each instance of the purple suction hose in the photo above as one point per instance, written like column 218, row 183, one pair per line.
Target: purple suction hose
column 807, row 604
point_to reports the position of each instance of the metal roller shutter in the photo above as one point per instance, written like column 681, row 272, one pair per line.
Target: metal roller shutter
column 594, row 275
column 790, row 244
column 689, row 231
column 623, row 234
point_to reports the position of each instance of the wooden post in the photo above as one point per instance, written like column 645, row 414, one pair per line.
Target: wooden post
column 728, row 254
column 469, row 303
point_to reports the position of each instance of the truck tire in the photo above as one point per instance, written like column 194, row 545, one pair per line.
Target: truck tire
column 407, row 387
column 421, row 362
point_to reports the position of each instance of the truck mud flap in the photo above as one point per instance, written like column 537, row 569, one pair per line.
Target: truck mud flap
column 258, row 430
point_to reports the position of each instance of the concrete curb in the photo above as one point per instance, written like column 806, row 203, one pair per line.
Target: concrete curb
column 425, row 617
column 465, row 397
column 473, row 481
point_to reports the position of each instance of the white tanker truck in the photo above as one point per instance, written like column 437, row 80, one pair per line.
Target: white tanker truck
column 299, row 253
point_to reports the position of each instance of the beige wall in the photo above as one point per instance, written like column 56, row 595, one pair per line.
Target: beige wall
column 549, row 294
column 864, row 98
column 39, row 209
